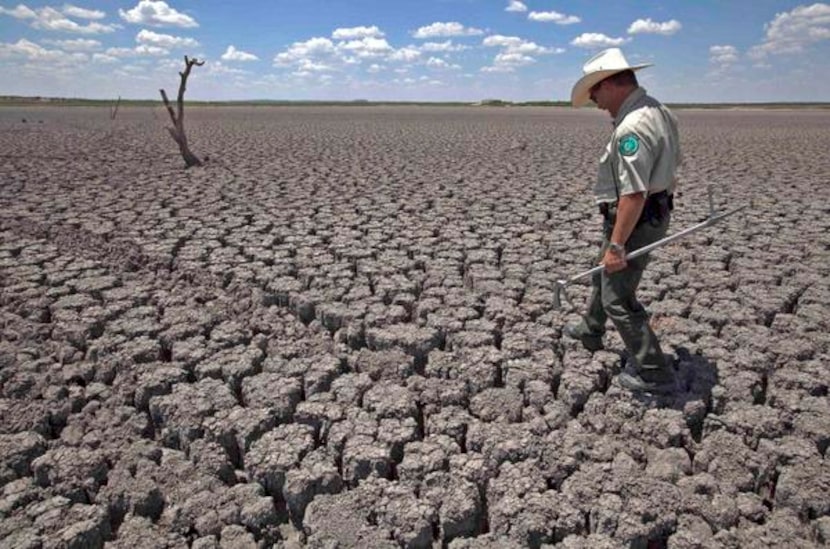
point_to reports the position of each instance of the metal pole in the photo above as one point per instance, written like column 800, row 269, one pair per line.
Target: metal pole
column 711, row 220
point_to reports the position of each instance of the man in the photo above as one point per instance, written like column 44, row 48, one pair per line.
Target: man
column 633, row 190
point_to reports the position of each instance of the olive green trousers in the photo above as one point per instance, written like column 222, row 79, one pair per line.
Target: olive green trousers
column 614, row 297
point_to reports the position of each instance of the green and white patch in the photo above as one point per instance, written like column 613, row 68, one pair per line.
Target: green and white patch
column 629, row 144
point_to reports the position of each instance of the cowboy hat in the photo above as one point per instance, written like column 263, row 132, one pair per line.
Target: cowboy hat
column 599, row 67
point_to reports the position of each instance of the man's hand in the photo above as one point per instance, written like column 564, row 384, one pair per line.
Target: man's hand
column 629, row 208
column 614, row 261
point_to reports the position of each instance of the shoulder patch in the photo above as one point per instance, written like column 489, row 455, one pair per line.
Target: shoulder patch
column 629, row 144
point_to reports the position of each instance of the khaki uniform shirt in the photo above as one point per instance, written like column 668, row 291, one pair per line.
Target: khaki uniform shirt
column 643, row 153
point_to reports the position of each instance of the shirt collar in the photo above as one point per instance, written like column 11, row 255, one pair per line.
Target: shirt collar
column 629, row 103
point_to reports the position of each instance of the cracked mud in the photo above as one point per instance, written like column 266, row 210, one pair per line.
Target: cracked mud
column 341, row 333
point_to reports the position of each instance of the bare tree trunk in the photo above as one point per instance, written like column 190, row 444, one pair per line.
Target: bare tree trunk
column 177, row 131
column 114, row 109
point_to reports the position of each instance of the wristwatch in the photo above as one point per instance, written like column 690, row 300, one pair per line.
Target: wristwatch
column 618, row 249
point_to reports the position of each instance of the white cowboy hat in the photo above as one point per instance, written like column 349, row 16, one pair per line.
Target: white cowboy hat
column 598, row 68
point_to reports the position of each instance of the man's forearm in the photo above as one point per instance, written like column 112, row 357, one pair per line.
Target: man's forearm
column 629, row 209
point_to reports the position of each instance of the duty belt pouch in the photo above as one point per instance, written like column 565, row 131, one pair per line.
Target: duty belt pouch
column 656, row 209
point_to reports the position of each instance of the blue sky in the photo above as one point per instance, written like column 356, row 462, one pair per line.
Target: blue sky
column 434, row 50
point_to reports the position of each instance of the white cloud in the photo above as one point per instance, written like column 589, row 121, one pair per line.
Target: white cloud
column 52, row 20
column 120, row 52
column 233, row 54
column 141, row 50
column 516, row 6
column 374, row 68
column 513, row 59
column 354, row 33
column 20, row 12
column 516, row 52
column 157, row 14
column 553, row 17
column 82, row 13
column 446, row 46
column 306, row 67
column 323, row 54
column 791, row 32
column 23, row 48
column 441, row 64
column 166, row 41
column 80, row 44
column 452, row 28
column 597, row 40
column 723, row 55
column 407, row 54
column 302, row 52
column 514, row 44
column 647, row 26
column 366, row 47
column 31, row 51
column 217, row 68
column 104, row 58
column 497, row 40
column 151, row 50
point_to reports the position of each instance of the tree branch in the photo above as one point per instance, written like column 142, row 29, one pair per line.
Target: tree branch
column 177, row 131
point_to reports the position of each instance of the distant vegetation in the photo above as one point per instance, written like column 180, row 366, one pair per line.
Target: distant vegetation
column 13, row 100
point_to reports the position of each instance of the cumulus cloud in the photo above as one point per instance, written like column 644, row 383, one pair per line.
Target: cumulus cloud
column 103, row 58
column 51, row 19
column 452, row 28
column 166, row 41
column 508, row 62
column 22, row 47
column 142, row 50
column 82, row 13
column 553, row 17
column 793, row 31
column 366, row 47
column 723, row 55
column 446, row 46
column 647, row 26
column 304, row 53
column 516, row 6
column 233, row 54
column 80, row 44
column 516, row 52
column 514, row 44
column 597, row 40
column 19, row 12
column 354, row 46
column 441, row 64
column 406, row 54
column 150, row 44
column 157, row 14
column 30, row 51
column 355, row 33
column 217, row 68
column 151, row 50
column 307, row 67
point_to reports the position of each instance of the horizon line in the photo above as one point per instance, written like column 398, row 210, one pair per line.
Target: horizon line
column 9, row 99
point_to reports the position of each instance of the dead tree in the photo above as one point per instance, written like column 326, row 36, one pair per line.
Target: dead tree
column 177, row 131
column 114, row 109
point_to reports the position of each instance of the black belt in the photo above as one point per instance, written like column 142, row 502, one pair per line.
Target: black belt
column 656, row 207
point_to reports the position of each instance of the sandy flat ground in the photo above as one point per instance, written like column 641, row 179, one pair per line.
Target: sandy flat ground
column 341, row 331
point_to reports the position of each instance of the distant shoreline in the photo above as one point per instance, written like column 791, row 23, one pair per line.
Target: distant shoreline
column 22, row 101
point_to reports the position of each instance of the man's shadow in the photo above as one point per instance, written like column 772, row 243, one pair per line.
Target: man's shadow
column 696, row 377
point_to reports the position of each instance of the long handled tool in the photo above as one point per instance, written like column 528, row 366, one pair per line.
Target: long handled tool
column 560, row 295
